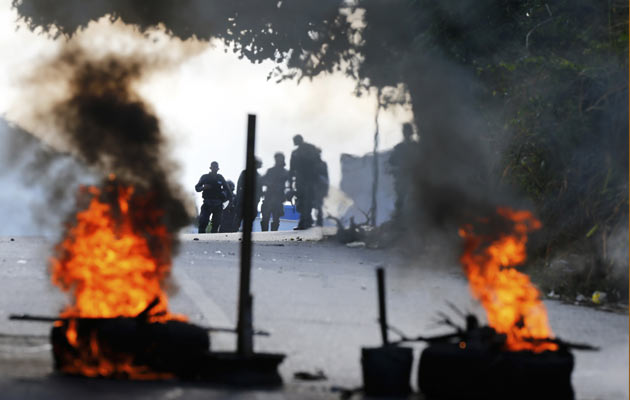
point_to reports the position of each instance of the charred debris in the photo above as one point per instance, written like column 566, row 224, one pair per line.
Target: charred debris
column 471, row 362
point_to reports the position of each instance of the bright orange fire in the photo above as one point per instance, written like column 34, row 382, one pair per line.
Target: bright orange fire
column 511, row 301
column 107, row 265
column 111, row 272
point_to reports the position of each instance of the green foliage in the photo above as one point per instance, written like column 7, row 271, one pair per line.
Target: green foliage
column 558, row 71
column 569, row 106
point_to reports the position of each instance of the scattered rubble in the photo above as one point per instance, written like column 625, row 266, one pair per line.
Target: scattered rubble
column 384, row 235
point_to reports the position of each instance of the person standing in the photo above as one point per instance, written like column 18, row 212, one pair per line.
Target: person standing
column 229, row 212
column 275, row 183
column 304, row 173
column 401, row 167
column 214, row 192
column 240, row 192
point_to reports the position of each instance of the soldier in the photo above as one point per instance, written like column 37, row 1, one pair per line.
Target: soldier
column 240, row 191
column 401, row 167
column 275, row 182
column 303, row 170
column 214, row 192
column 229, row 212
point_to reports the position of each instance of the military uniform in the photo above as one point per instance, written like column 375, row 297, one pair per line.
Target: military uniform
column 214, row 192
column 240, row 192
column 303, row 167
column 229, row 212
column 275, row 181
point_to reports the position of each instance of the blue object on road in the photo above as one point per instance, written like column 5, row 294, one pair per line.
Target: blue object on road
column 290, row 213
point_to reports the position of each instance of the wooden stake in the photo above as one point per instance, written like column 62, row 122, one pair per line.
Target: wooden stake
column 245, row 343
column 382, row 312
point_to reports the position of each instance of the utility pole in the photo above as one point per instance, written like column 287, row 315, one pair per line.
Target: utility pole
column 375, row 171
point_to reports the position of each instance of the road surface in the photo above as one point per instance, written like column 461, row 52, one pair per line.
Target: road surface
column 318, row 298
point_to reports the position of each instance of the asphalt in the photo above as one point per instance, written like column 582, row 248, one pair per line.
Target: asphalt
column 316, row 297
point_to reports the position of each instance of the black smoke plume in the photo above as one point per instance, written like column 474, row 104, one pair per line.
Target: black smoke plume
column 104, row 122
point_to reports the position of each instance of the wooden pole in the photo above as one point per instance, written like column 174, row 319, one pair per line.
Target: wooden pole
column 382, row 312
column 245, row 343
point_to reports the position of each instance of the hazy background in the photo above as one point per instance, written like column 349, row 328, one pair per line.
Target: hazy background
column 202, row 102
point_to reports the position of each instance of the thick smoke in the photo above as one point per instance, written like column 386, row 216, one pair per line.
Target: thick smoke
column 105, row 124
column 454, row 180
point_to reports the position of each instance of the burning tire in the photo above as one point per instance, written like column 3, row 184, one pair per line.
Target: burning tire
column 454, row 371
column 128, row 348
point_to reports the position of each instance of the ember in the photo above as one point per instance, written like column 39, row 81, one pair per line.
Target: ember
column 511, row 301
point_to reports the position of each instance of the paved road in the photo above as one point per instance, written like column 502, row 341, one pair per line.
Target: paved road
column 317, row 298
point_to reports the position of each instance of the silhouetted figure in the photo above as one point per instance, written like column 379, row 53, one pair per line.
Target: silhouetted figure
column 229, row 212
column 275, row 182
column 401, row 167
column 214, row 191
column 240, row 191
column 304, row 172
column 321, row 191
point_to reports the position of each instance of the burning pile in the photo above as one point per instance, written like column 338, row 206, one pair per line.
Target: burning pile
column 108, row 266
column 115, row 257
column 515, row 356
column 512, row 303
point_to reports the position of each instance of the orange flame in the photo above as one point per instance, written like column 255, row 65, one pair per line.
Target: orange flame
column 107, row 265
column 511, row 301
column 111, row 272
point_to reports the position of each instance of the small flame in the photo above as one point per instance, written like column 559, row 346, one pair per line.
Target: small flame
column 111, row 272
column 511, row 301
